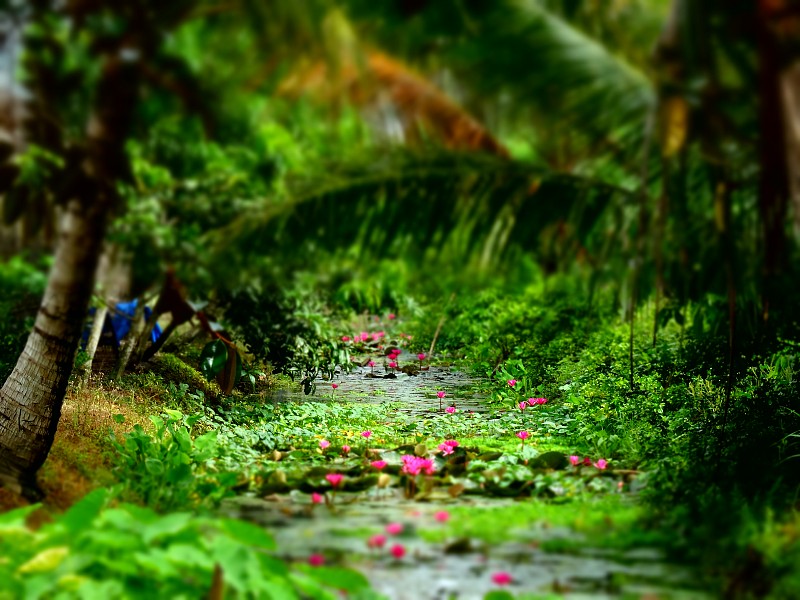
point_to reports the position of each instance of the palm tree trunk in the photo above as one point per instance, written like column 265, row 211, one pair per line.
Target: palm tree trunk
column 32, row 396
column 790, row 87
column 31, row 399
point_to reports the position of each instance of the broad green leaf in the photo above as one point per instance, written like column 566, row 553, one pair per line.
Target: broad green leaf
column 247, row 533
column 191, row 556
column 47, row 560
column 81, row 515
column 17, row 516
column 499, row 595
column 338, row 578
column 205, row 446
column 174, row 415
column 310, row 587
column 213, row 359
column 183, row 439
column 154, row 466
column 170, row 524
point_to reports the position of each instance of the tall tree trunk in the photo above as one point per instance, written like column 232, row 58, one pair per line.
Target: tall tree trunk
column 790, row 87
column 31, row 399
column 774, row 180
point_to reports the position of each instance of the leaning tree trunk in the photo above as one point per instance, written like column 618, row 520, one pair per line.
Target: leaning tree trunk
column 95, row 334
column 31, row 399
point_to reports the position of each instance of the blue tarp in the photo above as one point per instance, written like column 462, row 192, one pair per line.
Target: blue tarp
column 118, row 322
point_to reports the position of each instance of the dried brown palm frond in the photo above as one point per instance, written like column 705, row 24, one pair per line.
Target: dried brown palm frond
column 386, row 87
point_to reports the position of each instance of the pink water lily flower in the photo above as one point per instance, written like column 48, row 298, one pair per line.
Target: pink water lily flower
column 334, row 385
column 442, row 516
column 345, row 449
column 316, row 560
column 450, row 410
column 587, row 461
column 378, row 464
column 421, row 356
column 512, row 382
column 452, row 443
column 398, row 551
column 391, row 316
column 523, row 405
column 446, row 450
column 376, row 541
column 440, row 394
column 345, row 338
column 324, row 444
column 392, row 365
column 414, row 465
column 536, row 401
column 502, row 578
column 317, row 498
column 601, row 464
column 334, row 479
column 371, row 363
column 523, row 435
column 366, row 434
column 574, row 460
column 394, row 528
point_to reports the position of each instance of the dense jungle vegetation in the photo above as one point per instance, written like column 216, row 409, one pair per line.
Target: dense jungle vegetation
column 406, row 299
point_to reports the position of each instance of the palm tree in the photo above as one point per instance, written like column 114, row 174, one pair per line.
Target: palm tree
column 31, row 398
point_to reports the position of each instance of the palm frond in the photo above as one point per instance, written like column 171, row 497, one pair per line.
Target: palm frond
column 569, row 77
column 392, row 94
column 468, row 208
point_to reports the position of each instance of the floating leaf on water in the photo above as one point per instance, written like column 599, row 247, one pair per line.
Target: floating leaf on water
column 459, row 546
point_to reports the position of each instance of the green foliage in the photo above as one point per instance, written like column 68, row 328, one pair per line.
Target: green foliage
column 129, row 552
column 171, row 370
column 22, row 284
column 169, row 469
column 287, row 330
column 221, row 361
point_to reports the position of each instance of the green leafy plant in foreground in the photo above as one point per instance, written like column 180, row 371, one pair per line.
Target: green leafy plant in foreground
column 130, row 552
column 169, row 469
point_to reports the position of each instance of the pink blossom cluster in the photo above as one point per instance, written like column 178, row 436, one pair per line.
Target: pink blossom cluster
column 448, row 447
column 364, row 336
column 414, row 465
column 601, row 464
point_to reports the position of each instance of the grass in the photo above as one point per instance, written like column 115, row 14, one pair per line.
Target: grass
column 606, row 521
column 78, row 461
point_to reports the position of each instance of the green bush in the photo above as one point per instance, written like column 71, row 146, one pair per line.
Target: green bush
column 170, row 470
column 128, row 553
column 23, row 285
